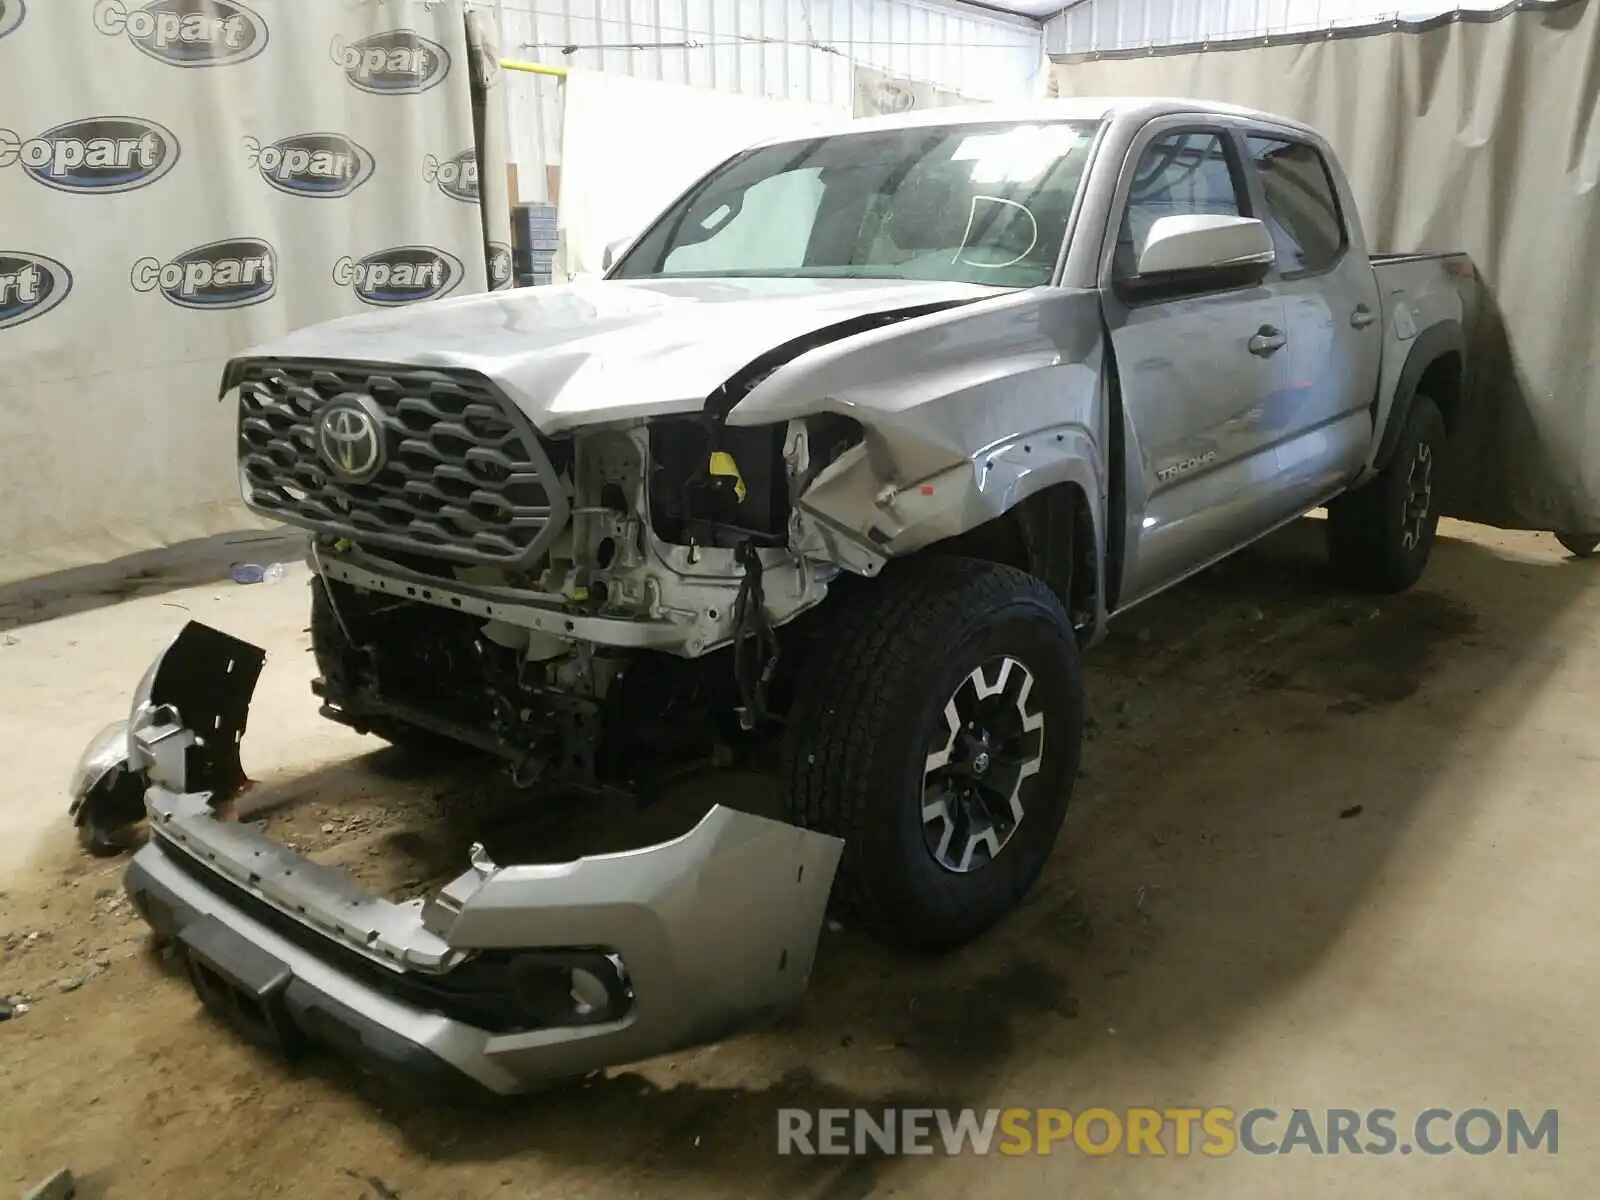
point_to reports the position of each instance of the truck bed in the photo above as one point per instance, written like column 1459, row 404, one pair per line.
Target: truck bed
column 1427, row 277
column 1400, row 256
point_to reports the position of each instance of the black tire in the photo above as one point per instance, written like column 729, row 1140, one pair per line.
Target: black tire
column 1579, row 545
column 1380, row 536
column 337, row 662
column 871, row 702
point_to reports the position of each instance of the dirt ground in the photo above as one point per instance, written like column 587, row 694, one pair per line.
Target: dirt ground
column 1326, row 852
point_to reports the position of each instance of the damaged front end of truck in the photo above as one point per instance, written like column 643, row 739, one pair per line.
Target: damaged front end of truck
column 585, row 590
column 580, row 563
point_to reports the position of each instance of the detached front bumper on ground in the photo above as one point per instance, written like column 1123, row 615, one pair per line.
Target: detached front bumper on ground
column 507, row 978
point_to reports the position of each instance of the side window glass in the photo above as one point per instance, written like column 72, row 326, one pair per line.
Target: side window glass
column 1179, row 173
column 1302, row 207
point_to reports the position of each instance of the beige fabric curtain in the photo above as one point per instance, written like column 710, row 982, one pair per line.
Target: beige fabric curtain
column 1482, row 135
column 176, row 188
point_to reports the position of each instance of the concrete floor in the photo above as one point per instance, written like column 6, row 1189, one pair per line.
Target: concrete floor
column 1211, row 930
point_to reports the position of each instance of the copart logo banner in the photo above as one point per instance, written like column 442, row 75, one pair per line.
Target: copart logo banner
column 399, row 275
column 94, row 155
column 232, row 273
column 186, row 33
column 499, row 259
column 11, row 14
column 399, row 63
column 324, row 165
column 456, row 177
column 891, row 98
column 30, row 286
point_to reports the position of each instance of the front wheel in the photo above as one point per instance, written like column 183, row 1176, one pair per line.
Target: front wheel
column 1380, row 535
column 1579, row 545
column 937, row 732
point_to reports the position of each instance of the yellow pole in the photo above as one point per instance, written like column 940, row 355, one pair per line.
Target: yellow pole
column 533, row 68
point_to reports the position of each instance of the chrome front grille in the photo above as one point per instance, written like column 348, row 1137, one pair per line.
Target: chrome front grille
column 464, row 475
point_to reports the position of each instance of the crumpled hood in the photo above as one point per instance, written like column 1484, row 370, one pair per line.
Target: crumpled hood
column 598, row 350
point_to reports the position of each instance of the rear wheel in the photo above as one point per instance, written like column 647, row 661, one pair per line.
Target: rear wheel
column 1380, row 536
column 937, row 732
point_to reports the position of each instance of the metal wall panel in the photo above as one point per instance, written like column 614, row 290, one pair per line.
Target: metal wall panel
column 1104, row 25
column 788, row 49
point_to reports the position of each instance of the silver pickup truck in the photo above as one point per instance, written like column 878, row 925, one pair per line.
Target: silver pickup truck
column 847, row 456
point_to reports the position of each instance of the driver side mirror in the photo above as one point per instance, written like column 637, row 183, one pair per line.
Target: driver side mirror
column 613, row 251
column 1203, row 252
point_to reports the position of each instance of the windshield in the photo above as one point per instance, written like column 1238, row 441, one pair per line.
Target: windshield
column 982, row 203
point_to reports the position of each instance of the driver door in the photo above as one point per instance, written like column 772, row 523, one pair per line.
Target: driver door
column 1198, row 369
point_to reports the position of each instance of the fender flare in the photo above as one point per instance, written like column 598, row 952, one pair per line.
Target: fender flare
column 1429, row 346
column 1067, row 554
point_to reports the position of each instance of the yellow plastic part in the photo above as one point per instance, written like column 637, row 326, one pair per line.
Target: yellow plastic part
column 533, row 68
column 722, row 463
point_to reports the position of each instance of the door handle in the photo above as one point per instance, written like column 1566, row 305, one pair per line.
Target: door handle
column 1267, row 341
column 1362, row 317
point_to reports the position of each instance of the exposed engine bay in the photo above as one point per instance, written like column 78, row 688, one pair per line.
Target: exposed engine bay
column 581, row 591
column 580, row 602
column 679, row 528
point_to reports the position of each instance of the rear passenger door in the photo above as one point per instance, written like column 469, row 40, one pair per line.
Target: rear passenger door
column 1198, row 370
column 1324, row 426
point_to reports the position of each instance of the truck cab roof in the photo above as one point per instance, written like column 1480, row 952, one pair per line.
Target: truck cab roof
column 1133, row 109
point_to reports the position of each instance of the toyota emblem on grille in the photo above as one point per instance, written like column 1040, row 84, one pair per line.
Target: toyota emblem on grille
column 350, row 441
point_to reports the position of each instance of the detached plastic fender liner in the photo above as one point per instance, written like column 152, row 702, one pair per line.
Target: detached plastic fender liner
column 204, row 680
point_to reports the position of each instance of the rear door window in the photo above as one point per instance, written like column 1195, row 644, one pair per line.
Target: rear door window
column 1302, row 207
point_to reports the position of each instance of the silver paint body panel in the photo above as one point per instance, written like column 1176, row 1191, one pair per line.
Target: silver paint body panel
column 597, row 351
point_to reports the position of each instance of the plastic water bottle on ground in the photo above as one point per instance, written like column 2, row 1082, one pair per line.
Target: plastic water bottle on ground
column 253, row 573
